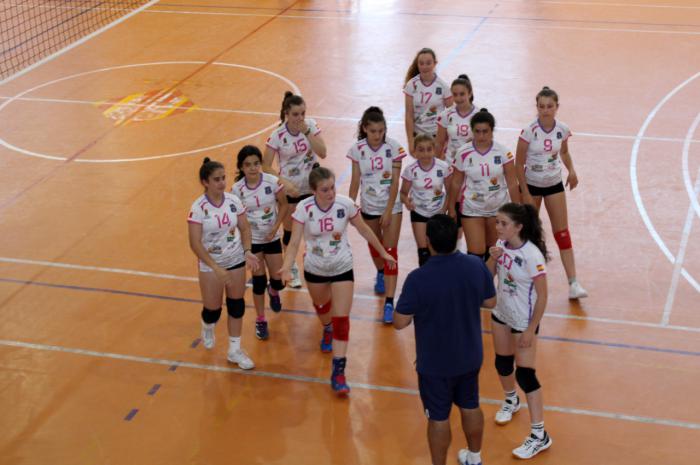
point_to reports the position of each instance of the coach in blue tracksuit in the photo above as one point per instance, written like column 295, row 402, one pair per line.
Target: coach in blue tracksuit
column 443, row 298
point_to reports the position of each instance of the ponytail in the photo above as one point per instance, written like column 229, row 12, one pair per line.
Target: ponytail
column 371, row 115
column 289, row 100
column 207, row 168
column 547, row 92
column 527, row 216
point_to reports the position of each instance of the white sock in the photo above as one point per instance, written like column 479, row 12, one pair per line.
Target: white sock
column 537, row 429
column 234, row 343
column 473, row 458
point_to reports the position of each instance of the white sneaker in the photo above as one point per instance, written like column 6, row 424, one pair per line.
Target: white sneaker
column 505, row 413
column 576, row 291
column 208, row 337
column 533, row 446
column 295, row 282
column 462, row 457
column 241, row 358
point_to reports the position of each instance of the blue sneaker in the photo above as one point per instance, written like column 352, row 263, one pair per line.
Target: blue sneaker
column 388, row 313
column 338, row 382
column 327, row 341
column 275, row 302
column 379, row 283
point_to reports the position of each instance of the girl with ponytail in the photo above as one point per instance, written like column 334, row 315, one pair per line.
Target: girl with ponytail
column 453, row 124
column 518, row 261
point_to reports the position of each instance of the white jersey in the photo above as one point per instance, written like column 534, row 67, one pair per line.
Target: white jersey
column 428, row 186
column 428, row 100
column 375, row 167
column 543, row 164
column 458, row 127
column 328, row 251
column 484, row 189
column 220, row 236
column 295, row 155
column 261, row 205
column 516, row 270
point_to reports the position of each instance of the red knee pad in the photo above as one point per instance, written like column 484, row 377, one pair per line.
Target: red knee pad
column 341, row 328
column 323, row 309
column 373, row 252
column 394, row 252
column 563, row 239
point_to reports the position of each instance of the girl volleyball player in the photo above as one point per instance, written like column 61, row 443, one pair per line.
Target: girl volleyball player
column 322, row 221
column 454, row 123
column 219, row 236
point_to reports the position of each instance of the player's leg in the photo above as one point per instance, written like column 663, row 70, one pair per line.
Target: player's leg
column 373, row 221
column 475, row 233
column 295, row 282
column 259, row 285
column 235, row 307
column 467, row 399
column 274, row 260
column 491, row 235
column 212, row 291
column 504, row 346
column 418, row 224
column 390, row 241
column 342, row 291
column 320, row 292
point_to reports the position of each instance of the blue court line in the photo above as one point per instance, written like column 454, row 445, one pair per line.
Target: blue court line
column 153, row 390
column 130, row 416
column 615, row 345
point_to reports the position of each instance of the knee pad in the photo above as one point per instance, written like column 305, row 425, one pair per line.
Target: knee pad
column 373, row 252
column 504, row 364
column 423, row 256
column 323, row 309
column 210, row 316
column 527, row 380
column 487, row 255
column 394, row 252
column 563, row 239
column 259, row 284
column 341, row 328
column 286, row 236
column 276, row 284
column 235, row 307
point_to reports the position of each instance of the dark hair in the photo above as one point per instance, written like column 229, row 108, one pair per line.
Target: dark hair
column 207, row 168
column 319, row 174
column 289, row 100
column 245, row 152
column 422, row 137
column 483, row 116
column 463, row 80
column 547, row 92
column 371, row 115
column 529, row 218
column 442, row 233
column 413, row 69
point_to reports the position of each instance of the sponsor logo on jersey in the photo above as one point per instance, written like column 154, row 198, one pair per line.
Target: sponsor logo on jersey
column 540, row 268
column 340, row 213
column 438, row 193
column 233, row 208
column 284, row 139
column 534, row 136
column 497, row 159
column 509, row 281
column 559, row 135
column 439, row 173
column 337, row 236
column 267, row 210
column 386, row 175
column 311, row 214
column 518, row 261
column 388, row 153
column 268, row 190
column 438, row 90
column 471, row 162
column 509, row 156
column 494, row 181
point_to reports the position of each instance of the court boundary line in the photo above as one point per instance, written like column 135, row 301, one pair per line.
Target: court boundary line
column 692, row 192
column 310, row 379
column 563, row 316
column 77, row 43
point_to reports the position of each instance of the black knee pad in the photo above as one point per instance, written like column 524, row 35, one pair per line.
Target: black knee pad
column 235, row 307
column 527, row 380
column 487, row 255
column 504, row 364
column 423, row 256
column 286, row 236
column 210, row 316
column 276, row 284
column 259, row 284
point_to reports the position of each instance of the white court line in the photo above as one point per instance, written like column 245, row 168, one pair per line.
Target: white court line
column 692, row 193
column 626, row 5
column 675, row 277
column 373, row 298
column 635, row 182
column 77, row 42
column 350, row 119
column 309, row 379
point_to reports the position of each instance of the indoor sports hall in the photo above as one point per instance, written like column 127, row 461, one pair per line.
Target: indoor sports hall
column 107, row 109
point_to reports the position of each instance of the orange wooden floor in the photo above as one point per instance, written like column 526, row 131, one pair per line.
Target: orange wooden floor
column 98, row 296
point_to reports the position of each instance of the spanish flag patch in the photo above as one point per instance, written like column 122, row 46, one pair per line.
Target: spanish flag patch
column 540, row 267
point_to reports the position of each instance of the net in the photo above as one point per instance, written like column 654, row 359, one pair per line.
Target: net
column 34, row 29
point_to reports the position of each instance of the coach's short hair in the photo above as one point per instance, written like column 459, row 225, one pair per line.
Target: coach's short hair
column 442, row 233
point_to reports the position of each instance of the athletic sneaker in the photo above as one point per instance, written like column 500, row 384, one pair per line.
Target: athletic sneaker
column 576, row 291
column 388, row 313
column 261, row 331
column 462, row 457
column 505, row 413
column 327, row 341
column 533, row 446
column 295, row 282
column 338, row 383
column 275, row 302
column 208, row 337
column 379, row 284
column 241, row 359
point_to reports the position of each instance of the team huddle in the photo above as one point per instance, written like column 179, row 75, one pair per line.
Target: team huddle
column 457, row 170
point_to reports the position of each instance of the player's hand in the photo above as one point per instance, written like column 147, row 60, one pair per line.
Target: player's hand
column 223, row 275
column 526, row 338
column 410, row 205
column 452, row 212
column 285, row 274
column 385, row 220
column 252, row 261
column 527, row 198
column 270, row 236
column 495, row 252
column 303, row 127
column 388, row 260
column 572, row 180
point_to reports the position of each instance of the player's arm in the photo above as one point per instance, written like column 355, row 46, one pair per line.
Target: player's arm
column 268, row 160
column 317, row 143
column 410, row 123
column 511, row 181
column 401, row 320
column 247, row 242
column 440, row 142
column 572, row 178
column 393, row 192
column 405, row 193
column 453, row 191
column 282, row 209
column 528, row 335
column 290, row 254
column 354, row 181
column 520, row 158
column 371, row 238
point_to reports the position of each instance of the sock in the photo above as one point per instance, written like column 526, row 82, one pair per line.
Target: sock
column 380, row 272
column 389, row 300
column 234, row 343
column 512, row 396
column 473, row 458
column 328, row 328
column 571, row 281
column 339, row 365
column 537, row 429
column 260, row 318
column 272, row 291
